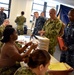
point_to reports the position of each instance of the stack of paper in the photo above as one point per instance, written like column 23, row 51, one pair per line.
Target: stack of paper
column 43, row 43
column 59, row 66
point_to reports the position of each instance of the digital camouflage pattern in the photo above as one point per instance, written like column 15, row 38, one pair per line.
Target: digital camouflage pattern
column 68, row 55
column 20, row 24
column 25, row 71
column 61, row 33
column 9, row 70
column 2, row 27
column 52, row 29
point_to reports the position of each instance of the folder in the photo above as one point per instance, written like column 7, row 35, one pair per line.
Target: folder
column 61, row 43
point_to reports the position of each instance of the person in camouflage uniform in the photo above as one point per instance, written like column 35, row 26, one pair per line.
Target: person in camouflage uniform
column 38, row 62
column 2, row 27
column 20, row 20
column 51, row 30
column 26, row 71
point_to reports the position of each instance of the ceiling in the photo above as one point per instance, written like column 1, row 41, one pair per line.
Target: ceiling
column 70, row 2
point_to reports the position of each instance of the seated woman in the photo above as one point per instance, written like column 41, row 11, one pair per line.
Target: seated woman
column 38, row 62
column 10, row 53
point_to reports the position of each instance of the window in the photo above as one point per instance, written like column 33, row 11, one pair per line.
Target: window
column 38, row 6
column 4, row 1
column 6, row 5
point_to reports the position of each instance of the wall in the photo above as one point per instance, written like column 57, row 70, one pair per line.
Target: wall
column 17, row 6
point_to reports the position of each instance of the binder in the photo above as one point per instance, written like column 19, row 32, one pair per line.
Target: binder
column 61, row 43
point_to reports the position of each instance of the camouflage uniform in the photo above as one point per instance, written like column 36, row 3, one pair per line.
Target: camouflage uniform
column 2, row 27
column 52, row 28
column 25, row 71
column 20, row 24
column 9, row 70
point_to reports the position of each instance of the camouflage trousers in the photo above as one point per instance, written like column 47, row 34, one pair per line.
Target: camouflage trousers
column 9, row 70
column 52, row 45
column 20, row 29
column 51, row 50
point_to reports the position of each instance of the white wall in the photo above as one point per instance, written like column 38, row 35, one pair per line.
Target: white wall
column 20, row 5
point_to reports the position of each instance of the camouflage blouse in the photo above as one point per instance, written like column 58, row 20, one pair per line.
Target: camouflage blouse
column 52, row 29
column 2, row 27
column 20, row 20
column 24, row 71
